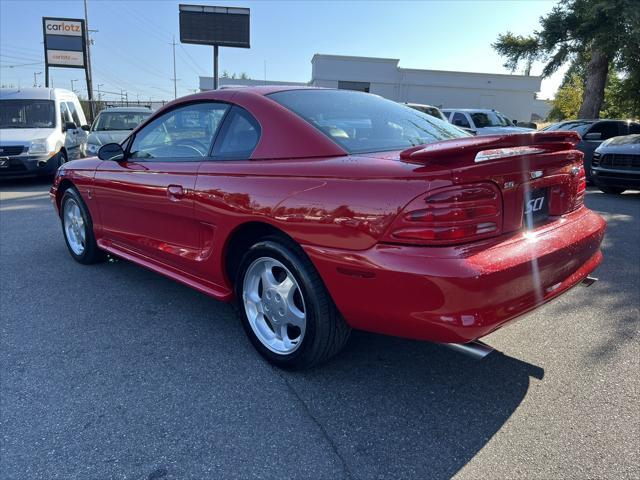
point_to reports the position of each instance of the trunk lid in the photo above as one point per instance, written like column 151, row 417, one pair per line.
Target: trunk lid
column 539, row 175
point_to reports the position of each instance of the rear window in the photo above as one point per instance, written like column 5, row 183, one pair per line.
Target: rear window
column 577, row 126
column 361, row 122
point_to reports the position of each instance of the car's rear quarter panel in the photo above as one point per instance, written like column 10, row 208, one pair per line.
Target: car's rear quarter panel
column 340, row 202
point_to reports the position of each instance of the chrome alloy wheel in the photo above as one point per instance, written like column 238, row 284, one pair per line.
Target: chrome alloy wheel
column 74, row 227
column 274, row 305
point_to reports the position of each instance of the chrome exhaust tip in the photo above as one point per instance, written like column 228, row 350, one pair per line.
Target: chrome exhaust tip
column 589, row 280
column 476, row 349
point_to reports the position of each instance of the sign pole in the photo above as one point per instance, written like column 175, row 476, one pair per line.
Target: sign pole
column 46, row 60
column 87, row 65
column 215, row 67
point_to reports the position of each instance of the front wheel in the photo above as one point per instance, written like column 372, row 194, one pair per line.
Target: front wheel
column 77, row 228
column 285, row 308
column 612, row 190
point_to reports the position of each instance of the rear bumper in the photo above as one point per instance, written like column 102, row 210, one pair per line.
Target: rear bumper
column 459, row 294
column 615, row 178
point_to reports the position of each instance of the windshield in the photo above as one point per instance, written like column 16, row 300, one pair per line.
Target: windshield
column 107, row 121
column 488, row 119
column 27, row 114
column 362, row 122
column 577, row 126
column 509, row 122
column 433, row 111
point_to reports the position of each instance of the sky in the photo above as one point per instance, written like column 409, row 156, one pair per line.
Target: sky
column 132, row 49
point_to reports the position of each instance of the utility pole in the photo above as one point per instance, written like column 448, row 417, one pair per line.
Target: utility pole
column 175, row 80
column 98, row 88
column 215, row 67
column 87, row 67
column 35, row 78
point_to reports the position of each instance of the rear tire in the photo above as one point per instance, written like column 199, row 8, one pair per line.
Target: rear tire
column 77, row 228
column 285, row 307
column 612, row 190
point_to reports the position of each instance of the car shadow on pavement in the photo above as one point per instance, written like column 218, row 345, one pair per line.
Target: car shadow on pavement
column 396, row 408
column 619, row 281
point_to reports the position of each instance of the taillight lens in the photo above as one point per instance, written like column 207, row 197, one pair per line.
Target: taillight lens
column 449, row 216
column 580, row 185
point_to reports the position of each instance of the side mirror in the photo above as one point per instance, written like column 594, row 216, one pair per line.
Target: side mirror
column 593, row 136
column 515, row 122
column 70, row 126
column 111, row 151
column 86, row 128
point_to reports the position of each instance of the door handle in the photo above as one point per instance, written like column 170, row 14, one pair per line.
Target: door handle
column 175, row 192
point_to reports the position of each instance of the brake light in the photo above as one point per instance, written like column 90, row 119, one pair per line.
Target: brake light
column 580, row 182
column 451, row 215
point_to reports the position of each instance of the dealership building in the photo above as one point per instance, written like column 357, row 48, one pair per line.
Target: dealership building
column 513, row 95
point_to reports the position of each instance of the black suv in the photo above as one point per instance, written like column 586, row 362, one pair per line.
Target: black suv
column 593, row 133
column 616, row 164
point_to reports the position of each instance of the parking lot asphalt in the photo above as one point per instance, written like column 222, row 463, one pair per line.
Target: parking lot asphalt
column 114, row 372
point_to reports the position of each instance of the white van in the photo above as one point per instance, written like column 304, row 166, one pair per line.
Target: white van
column 40, row 129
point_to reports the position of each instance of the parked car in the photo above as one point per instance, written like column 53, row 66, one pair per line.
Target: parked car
column 113, row 125
column 40, row 129
column 428, row 109
column 322, row 210
column 593, row 133
column 435, row 112
column 616, row 164
column 482, row 121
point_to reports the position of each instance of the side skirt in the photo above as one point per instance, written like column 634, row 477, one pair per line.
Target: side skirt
column 208, row 288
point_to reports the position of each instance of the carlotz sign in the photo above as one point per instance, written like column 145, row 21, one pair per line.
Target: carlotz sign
column 64, row 42
column 61, row 27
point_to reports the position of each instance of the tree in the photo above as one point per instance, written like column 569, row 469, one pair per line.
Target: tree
column 568, row 99
column 599, row 34
column 616, row 104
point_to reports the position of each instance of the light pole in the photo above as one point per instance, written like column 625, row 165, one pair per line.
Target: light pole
column 72, row 89
column 175, row 80
column 35, row 78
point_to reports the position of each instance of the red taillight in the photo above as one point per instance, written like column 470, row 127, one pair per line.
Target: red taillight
column 450, row 215
column 581, row 187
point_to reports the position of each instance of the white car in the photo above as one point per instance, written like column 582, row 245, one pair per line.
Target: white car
column 40, row 129
column 113, row 125
column 428, row 109
column 482, row 121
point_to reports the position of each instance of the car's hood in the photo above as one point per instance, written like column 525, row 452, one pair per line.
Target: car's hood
column 502, row 130
column 111, row 136
column 629, row 144
column 23, row 136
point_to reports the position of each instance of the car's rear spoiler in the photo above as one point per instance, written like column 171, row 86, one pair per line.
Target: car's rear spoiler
column 492, row 147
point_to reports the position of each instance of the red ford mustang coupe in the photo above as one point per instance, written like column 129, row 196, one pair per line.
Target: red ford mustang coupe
column 324, row 210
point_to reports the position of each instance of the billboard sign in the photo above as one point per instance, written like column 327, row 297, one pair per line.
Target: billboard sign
column 217, row 26
column 64, row 42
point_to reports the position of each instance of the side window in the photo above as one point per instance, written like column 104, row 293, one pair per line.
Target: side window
column 460, row 120
column 634, row 128
column 605, row 129
column 238, row 137
column 447, row 113
column 183, row 133
column 74, row 113
column 65, row 116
